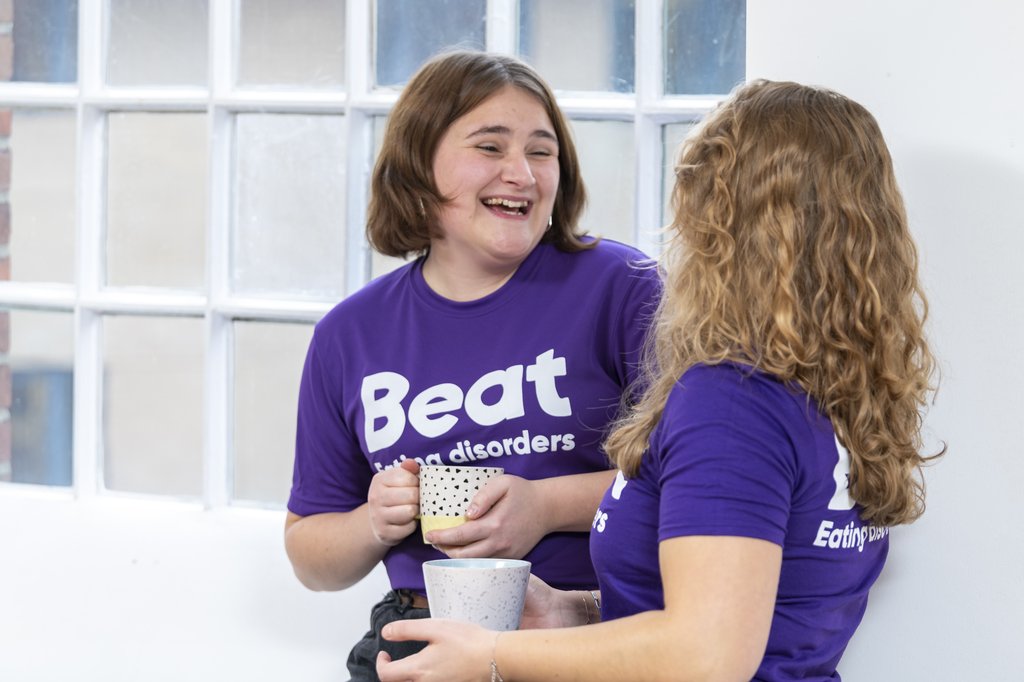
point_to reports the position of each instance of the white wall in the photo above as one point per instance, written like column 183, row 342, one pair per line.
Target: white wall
column 944, row 80
column 121, row 590
column 124, row 590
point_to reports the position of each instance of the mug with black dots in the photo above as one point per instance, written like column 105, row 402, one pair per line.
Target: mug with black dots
column 446, row 491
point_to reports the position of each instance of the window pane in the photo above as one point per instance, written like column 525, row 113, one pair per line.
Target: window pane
column 672, row 136
column 606, row 151
column 268, row 365
column 45, row 37
column 156, row 200
column 36, row 365
column 292, row 42
column 156, row 42
column 289, row 224
column 40, row 220
column 705, row 46
column 580, row 44
column 410, row 31
column 153, row 395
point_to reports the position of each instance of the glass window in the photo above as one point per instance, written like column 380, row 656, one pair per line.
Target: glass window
column 156, row 42
column 156, row 200
column 268, row 365
column 292, row 43
column 580, row 44
column 606, row 153
column 289, row 231
column 379, row 264
column 45, row 41
column 153, row 397
column 672, row 137
column 408, row 32
column 224, row 226
column 36, row 368
column 705, row 46
column 40, row 216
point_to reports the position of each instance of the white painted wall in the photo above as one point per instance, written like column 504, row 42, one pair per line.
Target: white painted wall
column 128, row 590
column 943, row 77
column 123, row 590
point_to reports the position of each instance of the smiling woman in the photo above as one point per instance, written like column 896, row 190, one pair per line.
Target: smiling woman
column 478, row 178
column 497, row 168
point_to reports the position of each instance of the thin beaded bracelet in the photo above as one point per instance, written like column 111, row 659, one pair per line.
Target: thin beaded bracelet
column 495, row 675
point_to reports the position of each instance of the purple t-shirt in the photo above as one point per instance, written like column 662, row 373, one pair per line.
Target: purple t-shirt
column 525, row 378
column 738, row 453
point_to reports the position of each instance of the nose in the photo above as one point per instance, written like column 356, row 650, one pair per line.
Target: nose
column 517, row 171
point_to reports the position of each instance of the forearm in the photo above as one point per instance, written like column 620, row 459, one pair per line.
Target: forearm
column 332, row 551
column 719, row 602
column 571, row 501
column 650, row 646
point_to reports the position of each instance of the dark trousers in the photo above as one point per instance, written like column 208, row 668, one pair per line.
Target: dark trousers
column 362, row 661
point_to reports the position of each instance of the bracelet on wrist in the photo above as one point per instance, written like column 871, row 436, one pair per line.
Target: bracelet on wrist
column 586, row 607
column 495, row 675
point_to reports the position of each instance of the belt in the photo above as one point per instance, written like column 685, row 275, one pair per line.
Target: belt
column 413, row 599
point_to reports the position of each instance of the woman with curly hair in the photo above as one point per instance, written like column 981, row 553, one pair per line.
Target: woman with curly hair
column 779, row 436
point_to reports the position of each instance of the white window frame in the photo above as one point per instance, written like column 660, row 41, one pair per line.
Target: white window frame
column 647, row 109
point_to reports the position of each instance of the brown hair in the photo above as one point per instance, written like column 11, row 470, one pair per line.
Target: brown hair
column 404, row 199
column 790, row 251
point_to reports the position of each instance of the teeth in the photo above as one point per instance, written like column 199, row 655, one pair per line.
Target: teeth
column 506, row 203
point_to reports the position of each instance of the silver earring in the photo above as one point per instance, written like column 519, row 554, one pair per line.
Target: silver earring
column 423, row 210
column 551, row 220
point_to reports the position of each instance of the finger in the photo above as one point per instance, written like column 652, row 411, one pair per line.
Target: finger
column 384, row 671
column 411, row 465
column 402, row 670
column 478, row 550
column 400, row 515
column 399, row 476
column 405, row 630
column 403, row 478
column 395, row 497
column 488, row 496
column 391, row 535
column 463, row 534
column 402, row 530
column 484, row 547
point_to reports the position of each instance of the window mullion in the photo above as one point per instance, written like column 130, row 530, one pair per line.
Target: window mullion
column 358, row 48
column 87, row 435
column 359, row 162
column 218, row 371
column 361, row 105
column 502, row 26
column 90, row 202
column 649, row 67
column 217, row 442
column 92, row 32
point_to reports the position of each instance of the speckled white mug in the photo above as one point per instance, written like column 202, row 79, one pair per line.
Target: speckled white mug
column 488, row 592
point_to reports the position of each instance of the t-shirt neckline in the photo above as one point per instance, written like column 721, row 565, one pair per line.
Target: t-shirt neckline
column 502, row 295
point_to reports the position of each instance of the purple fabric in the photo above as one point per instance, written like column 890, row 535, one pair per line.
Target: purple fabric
column 738, row 453
column 526, row 379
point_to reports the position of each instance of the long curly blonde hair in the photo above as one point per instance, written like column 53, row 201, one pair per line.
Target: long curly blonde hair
column 789, row 251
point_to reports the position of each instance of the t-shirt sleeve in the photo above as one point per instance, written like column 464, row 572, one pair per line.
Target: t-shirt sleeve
column 725, row 462
column 330, row 471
